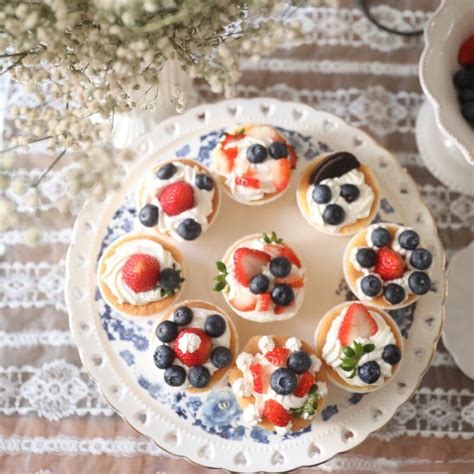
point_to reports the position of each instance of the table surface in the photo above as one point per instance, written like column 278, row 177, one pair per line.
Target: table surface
column 52, row 418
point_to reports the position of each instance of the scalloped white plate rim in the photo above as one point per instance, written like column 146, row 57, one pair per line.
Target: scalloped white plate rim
column 132, row 403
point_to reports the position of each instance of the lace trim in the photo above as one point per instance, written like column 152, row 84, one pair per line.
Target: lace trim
column 46, row 237
column 28, row 339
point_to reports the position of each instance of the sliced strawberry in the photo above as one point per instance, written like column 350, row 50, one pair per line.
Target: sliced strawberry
column 141, row 272
column 294, row 282
column 263, row 302
column 276, row 413
column 231, row 154
column 304, row 385
column 389, row 264
column 248, row 263
column 280, row 173
column 247, row 182
column 200, row 355
column 278, row 356
column 357, row 322
column 222, row 164
column 278, row 250
column 292, row 156
column 466, row 52
column 243, row 300
column 228, row 138
column 279, row 309
column 176, row 198
column 256, row 370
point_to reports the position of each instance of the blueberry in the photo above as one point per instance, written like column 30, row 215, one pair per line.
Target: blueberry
column 464, row 78
column 369, row 372
column 221, row 357
column 394, row 293
column 409, row 239
column 280, row 267
column 215, row 325
column 283, row 381
column 259, row 284
column 391, row 354
column 149, row 215
column 163, row 357
column 189, row 229
column 467, row 111
column 170, row 279
column 366, row 257
column 466, row 94
column 165, row 172
column 299, row 362
column 333, row 214
column 321, row 194
column 350, row 192
column 199, row 376
column 419, row 283
column 203, row 181
column 257, row 153
column 183, row 316
column 371, row 285
column 175, row 375
column 282, row 295
column 167, row 331
column 380, row 237
column 421, row 259
column 278, row 150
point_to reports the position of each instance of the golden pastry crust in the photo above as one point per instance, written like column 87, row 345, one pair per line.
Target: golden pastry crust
column 252, row 348
column 131, row 309
column 320, row 338
column 350, row 229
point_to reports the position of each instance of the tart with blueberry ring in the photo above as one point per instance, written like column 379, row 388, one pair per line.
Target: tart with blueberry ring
column 254, row 163
column 360, row 345
column 262, row 278
column 178, row 198
column 193, row 345
column 337, row 194
column 386, row 265
column 279, row 383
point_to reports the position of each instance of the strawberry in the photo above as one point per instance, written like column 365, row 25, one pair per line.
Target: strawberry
column 280, row 173
column 279, row 250
column 243, row 300
column 141, row 272
column 357, row 322
column 247, row 181
column 304, row 385
column 466, row 52
column 292, row 156
column 231, row 138
column 176, row 198
column 278, row 356
column 256, row 370
column 263, row 302
column 276, row 413
column 200, row 355
column 248, row 263
column 389, row 264
column 294, row 282
column 280, row 309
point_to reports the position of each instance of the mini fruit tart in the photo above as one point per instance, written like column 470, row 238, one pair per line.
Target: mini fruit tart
column 193, row 345
column 254, row 163
column 360, row 345
column 178, row 198
column 140, row 274
column 385, row 265
column 278, row 383
column 262, row 278
column 338, row 195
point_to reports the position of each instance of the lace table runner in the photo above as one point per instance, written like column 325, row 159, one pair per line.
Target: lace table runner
column 52, row 417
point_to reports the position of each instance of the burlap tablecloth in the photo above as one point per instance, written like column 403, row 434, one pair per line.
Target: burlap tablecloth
column 53, row 419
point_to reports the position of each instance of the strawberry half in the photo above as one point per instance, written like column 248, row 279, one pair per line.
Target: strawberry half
column 200, row 355
column 263, row 302
column 248, row 263
column 294, row 282
column 256, row 370
column 278, row 356
column 357, row 322
column 389, row 264
column 278, row 250
column 304, row 385
column 247, row 182
column 280, row 172
column 243, row 300
column 466, row 52
column 176, row 198
column 141, row 272
column 276, row 413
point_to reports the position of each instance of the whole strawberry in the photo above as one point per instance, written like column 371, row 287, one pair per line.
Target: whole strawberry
column 389, row 264
column 176, row 198
column 192, row 347
column 141, row 272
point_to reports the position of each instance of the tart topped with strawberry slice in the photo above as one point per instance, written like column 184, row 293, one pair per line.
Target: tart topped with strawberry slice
column 254, row 163
column 386, row 265
column 262, row 278
column 361, row 345
column 278, row 383
column 140, row 274
column 178, row 198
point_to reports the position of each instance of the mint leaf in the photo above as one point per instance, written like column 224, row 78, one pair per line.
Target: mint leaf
column 221, row 267
column 368, row 348
column 310, row 406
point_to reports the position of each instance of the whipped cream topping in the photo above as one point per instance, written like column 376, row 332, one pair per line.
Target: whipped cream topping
column 293, row 344
column 332, row 350
column 189, row 343
column 359, row 209
column 114, row 264
column 203, row 205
